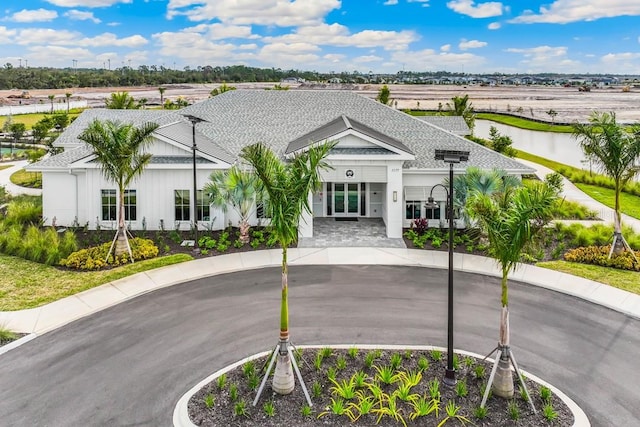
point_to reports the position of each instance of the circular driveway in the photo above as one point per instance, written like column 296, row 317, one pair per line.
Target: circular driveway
column 129, row 364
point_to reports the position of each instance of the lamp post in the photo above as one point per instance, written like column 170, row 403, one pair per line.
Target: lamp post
column 451, row 157
column 194, row 120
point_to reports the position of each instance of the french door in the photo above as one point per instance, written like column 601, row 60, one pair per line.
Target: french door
column 345, row 199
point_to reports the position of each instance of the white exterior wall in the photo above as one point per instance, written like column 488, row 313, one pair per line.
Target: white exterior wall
column 305, row 226
column 427, row 181
column 394, row 212
column 59, row 198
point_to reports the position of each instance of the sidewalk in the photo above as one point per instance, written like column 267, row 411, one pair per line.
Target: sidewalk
column 51, row 316
column 5, row 180
column 574, row 194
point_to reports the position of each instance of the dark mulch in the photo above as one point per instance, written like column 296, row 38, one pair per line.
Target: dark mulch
column 288, row 408
column 5, row 341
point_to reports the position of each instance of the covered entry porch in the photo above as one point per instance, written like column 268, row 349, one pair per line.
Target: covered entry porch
column 349, row 232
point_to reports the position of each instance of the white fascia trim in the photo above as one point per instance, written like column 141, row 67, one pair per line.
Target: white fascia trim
column 382, row 157
column 373, row 141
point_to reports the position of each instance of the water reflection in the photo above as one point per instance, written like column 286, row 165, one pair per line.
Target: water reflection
column 561, row 147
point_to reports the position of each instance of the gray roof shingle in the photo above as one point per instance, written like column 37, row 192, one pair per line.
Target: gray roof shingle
column 455, row 124
column 238, row 118
column 242, row 117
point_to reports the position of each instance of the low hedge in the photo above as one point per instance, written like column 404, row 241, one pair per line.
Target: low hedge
column 95, row 258
column 599, row 255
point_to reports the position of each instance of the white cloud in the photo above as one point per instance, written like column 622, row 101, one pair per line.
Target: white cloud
column 425, row 3
column 390, row 2
column 482, row 10
column 50, row 37
column 37, row 15
column 78, row 15
column 86, row 3
column 248, row 46
column 546, row 59
column 366, row 59
column 429, row 59
column 60, row 56
column 338, row 35
column 564, row 11
column 445, row 48
column 334, row 57
column 280, row 13
column 193, row 47
column 494, row 26
column 471, row 44
column 222, row 31
column 6, row 35
column 110, row 39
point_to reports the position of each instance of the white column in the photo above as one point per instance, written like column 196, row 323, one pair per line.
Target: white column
column 305, row 227
column 394, row 200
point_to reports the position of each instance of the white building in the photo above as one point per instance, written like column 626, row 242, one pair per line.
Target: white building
column 383, row 163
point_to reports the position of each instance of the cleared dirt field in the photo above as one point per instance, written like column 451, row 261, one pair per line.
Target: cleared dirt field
column 528, row 101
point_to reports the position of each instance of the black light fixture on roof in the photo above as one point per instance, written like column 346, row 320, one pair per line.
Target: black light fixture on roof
column 194, row 120
column 452, row 157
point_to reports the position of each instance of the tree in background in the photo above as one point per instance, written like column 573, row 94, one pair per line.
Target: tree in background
column 162, row 90
column 552, row 113
column 461, row 106
column 51, row 97
column 616, row 150
column 288, row 186
column 119, row 150
column 17, row 131
column 221, row 89
column 68, row 96
column 501, row 143
column 383, row 95
column 121, row 101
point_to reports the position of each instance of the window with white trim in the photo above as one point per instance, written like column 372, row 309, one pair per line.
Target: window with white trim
column 203, row 207
column 130, row 205
column 182, row 204
column 109, row 204
column 413, row 209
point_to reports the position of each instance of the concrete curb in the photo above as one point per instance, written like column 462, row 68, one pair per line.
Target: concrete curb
column 181, row 415
column 59, row 313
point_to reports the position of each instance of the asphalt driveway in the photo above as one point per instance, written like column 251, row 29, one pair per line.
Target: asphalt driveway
column 129, row 364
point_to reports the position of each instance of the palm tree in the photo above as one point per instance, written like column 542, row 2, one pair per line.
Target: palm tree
column 161, row 90
column 510, row 220
column 460, row 106
column 238, row 188
column 221, row 89
column 51, row 100
column 287, row 186
column 616, row 150
column 121, row 101
column 68, row 96
column 119, row 151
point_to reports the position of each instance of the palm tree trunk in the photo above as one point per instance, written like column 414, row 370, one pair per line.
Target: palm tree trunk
column 618, row 242
column 503, row 381
column 244, row 231
column 284, row 304
column 283, row 379
column 122, row 243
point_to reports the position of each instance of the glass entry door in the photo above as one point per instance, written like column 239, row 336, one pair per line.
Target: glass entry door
column 346, row 199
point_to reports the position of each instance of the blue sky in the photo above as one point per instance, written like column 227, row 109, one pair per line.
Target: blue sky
column 565, row 36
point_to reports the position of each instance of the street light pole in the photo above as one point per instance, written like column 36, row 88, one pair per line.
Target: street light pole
column 451, row 157
column 194, row 120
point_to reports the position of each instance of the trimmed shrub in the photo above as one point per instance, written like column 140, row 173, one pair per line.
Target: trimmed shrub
column 43, row 246
column 599, row 255
column 95, row 258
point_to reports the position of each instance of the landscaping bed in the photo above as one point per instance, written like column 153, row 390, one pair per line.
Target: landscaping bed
column 227, row 400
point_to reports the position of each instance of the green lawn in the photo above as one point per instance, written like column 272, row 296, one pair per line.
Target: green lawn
column 4, row 167
column 629, row 204
column 523, row 123
column 27, row 179
column 25, row 284
column 31, row 119
column 621, row 279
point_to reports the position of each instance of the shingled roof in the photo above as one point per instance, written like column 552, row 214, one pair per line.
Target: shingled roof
column 242, row 117
column 239, row 118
